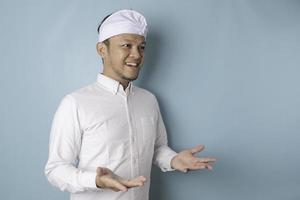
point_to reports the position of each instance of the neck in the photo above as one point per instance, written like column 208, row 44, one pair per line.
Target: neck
column 124, row 83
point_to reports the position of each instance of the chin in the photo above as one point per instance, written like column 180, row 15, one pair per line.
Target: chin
column 131, row 78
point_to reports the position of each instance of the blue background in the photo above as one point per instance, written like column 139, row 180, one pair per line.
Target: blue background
column 226, row 74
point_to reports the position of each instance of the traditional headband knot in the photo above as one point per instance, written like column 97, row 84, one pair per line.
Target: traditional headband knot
column 123, row 21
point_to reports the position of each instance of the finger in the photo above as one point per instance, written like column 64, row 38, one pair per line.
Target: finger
column 205, row 159
column 197, row 149
column 209, row 167
column 115, row 189
column 138, row 181
column 141, row 179
column 117, row 186
column 200, row 166
column 184, row 170
column 197, row 166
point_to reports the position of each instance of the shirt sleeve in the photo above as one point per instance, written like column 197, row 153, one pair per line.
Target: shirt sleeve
column 64, row 148
column 163, row 154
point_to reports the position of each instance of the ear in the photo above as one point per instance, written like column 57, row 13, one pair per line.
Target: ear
column 101, row 49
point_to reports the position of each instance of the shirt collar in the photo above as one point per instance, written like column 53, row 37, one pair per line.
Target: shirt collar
column 113, row 85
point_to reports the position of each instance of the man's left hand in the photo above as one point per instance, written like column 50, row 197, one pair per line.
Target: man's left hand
column 185, row 160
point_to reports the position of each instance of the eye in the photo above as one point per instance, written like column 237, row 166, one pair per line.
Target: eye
column 127, row 45
column 142, row 47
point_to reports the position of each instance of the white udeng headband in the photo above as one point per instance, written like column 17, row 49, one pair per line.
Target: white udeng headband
column 123, row 21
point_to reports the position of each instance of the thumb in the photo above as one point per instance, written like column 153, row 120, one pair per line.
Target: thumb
column 184, row 170
column 101, row 171
column 197, row 149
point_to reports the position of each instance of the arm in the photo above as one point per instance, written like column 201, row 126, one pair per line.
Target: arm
column 163, row 154
column 64, row 147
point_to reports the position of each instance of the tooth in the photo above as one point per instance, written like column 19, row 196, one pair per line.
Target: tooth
column 131, row 64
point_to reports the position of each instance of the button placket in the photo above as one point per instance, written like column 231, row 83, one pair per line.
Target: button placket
column 134, row 139
column 134, row 171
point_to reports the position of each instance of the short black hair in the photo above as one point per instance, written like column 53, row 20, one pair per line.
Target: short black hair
column 106, row 42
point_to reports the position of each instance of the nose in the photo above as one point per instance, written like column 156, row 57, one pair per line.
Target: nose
column 136, row 53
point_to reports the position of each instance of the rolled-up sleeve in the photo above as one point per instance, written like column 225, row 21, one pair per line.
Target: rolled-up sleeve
column 64, row 148
column 163, row 154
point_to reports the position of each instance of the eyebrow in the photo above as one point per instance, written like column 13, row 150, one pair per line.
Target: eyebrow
column 128, row 40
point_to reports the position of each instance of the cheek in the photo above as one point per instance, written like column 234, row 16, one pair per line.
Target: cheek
column 119, row 53
column 116, row 57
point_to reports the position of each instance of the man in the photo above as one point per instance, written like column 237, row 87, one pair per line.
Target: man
column 105, row 136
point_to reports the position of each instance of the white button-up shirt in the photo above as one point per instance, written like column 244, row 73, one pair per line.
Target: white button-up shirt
column 103, row 125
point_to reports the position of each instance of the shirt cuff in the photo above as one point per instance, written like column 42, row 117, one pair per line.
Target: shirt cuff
column 163, row 158
column 87, row 180
column 169, row 158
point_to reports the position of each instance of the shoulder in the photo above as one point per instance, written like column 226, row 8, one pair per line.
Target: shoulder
column 143, row 93
column 85, row 92
column 79, row 95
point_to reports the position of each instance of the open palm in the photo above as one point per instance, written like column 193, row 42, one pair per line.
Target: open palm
column 107, row 179
column 185, row 160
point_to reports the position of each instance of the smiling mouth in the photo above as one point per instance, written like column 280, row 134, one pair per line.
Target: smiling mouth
column 131, row 64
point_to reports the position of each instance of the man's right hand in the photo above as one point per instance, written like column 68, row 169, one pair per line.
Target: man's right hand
column 107, row 179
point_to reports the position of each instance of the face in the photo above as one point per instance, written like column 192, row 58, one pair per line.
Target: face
column 123, row 57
